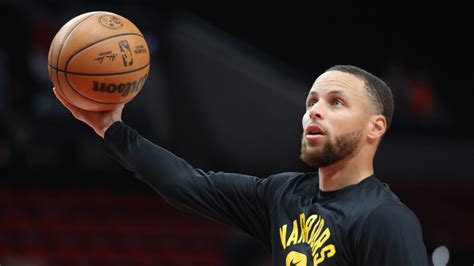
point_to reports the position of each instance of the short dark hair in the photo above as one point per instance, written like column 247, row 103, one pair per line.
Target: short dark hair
column 379, row 92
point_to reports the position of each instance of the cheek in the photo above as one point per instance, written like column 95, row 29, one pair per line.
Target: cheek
column 305, row 119
column 347, row 124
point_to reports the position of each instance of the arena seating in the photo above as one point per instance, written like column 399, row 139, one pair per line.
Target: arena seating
column 64, row 226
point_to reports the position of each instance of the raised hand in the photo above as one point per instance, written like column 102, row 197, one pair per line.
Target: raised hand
column 100, row 121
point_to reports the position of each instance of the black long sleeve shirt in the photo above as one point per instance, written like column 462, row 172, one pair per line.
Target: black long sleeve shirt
column 362, row 224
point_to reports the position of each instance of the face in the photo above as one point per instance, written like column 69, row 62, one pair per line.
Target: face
column 338, row 110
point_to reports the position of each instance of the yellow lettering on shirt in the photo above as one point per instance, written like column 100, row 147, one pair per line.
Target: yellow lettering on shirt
column 311, row 231
column 294, row 234
column 326, row 252
column 283, row 235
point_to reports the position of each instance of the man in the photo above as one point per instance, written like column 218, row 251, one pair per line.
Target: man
column 340, row 215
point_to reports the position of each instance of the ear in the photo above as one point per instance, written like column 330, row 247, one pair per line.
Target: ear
column 378, row 126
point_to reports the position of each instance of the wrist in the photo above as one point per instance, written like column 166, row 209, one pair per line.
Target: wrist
column 101, row 132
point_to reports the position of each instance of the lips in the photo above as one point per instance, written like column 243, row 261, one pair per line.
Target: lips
column 314, row 132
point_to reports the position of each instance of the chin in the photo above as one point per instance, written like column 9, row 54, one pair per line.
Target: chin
column 319, row 144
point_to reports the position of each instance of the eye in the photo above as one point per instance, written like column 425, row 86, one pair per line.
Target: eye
column 312, row 102
column 337, row 102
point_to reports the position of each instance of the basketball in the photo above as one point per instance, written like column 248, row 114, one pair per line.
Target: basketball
column 98, row 60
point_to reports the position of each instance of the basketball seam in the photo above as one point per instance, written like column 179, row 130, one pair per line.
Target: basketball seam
column 99, row 74
column 61, row 49
column 89, row 45
column 94, row 100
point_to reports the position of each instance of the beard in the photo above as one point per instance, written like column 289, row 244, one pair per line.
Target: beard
column 331, row 152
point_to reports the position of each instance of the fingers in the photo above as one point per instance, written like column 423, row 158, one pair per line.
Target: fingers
column 61, row 98
column 73, row 109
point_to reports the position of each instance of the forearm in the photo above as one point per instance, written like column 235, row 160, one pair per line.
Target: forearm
column 230, row 198
column 154, row 165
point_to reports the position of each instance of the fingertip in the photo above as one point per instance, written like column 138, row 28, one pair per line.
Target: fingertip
column 62, row 99
column 55, row 91
column 57, row 94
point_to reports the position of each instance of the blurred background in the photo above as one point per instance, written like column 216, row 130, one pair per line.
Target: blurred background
column 234, row 76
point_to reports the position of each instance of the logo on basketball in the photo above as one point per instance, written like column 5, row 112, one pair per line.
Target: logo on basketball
column 126, row 53
column 109, row 55
column 123, row 89
column 98, row 61
column 111, row 22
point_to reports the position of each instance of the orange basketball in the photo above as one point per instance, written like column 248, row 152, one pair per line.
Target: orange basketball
column 98, row 60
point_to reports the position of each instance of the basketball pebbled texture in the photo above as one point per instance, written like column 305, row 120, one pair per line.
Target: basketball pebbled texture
column 98, row 60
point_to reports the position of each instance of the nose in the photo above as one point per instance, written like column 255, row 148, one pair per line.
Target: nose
column 315, row 112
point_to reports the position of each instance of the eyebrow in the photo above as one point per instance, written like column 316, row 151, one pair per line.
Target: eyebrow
column 312, row 93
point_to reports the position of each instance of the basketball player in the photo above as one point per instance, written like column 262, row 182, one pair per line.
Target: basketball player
column 341, row 214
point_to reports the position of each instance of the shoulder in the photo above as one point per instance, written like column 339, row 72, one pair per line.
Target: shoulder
column 392, row 216
column 285, row 176
column 373, row 196
column 280, row 184
column 285, row 179
column 389, row 222
column 379, row 210
column 391, row 235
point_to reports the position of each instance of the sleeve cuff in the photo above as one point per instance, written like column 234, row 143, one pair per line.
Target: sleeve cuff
column 112, row 128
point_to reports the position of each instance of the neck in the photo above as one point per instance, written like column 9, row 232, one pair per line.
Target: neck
column 349, row 171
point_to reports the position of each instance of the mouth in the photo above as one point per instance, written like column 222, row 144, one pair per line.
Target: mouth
column 314, row 132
